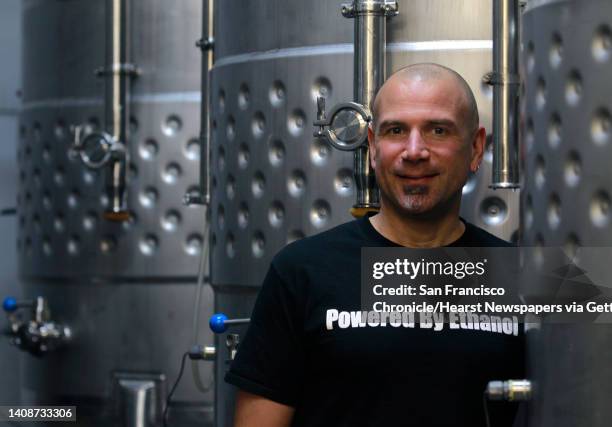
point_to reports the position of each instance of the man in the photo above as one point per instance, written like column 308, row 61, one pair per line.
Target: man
column 297, row 367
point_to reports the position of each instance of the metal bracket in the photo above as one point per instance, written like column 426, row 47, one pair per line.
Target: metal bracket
column 346, row 127
column 376, row 7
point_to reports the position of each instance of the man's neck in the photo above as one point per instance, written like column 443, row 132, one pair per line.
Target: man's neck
column 416, row 232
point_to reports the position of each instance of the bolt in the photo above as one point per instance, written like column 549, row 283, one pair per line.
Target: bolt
column 205, row 43
column 347, row 11
column 192, row 199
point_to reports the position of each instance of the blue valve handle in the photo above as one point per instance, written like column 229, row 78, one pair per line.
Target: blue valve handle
column 219, row 322
column 9, row 304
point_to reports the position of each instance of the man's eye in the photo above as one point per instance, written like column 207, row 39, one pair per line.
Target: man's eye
column 395, row 130
column 439, row 130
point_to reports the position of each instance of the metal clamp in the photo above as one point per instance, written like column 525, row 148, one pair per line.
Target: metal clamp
column 97, row 148
column 492, row 78
column 375, row 7
column 130, row 70
column 346, row 127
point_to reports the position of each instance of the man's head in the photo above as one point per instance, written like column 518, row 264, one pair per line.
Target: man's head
column 424, row 140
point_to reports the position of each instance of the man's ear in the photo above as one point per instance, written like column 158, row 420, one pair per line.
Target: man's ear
column 372, row 146
column 478, row 147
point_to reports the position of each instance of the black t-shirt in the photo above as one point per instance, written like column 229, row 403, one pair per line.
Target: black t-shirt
column 370, row 376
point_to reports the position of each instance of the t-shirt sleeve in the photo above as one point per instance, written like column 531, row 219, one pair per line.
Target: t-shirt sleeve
column 270, row 358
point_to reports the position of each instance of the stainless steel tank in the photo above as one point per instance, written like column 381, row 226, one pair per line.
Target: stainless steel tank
column 567, row 61
column 125, row 289
column 272, row 182
column 10, row 84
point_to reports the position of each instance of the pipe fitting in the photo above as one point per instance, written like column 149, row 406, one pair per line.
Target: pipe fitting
column 370, row 7
column 37, row 335
column 509, row 391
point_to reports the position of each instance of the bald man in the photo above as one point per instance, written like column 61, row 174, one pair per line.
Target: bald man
column 299, row 365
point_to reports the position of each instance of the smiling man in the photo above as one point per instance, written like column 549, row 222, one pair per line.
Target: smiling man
column 424, row 142
column 310, row 358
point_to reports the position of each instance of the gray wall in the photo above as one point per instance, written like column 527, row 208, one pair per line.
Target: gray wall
column 10, row 81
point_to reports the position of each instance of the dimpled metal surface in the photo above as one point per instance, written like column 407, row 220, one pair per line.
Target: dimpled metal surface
column 272, row 181
column 126, row 289
column 566, row 61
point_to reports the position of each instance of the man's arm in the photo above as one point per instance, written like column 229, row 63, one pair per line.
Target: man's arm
column 255, row 411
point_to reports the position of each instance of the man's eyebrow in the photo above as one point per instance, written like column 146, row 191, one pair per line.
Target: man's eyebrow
column 432, row 122
column 388, row 123
column 442, row 122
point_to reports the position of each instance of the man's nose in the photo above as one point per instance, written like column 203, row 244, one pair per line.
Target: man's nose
column 415, row 148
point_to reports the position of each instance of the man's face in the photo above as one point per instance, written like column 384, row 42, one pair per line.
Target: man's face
column 423, row 146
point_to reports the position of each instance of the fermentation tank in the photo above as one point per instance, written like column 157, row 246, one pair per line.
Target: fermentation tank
column 272, row 181
column 10, row 45
column 567, row 61
column 125, row 289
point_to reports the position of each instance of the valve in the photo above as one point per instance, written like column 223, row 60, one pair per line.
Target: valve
column 346, row 127
column 219, row 323
column 39, row 334
column 9, row 304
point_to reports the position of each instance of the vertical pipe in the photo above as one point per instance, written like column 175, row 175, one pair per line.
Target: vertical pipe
column 206, row 45
column 505, row 82
column 118, row 74
column 369, row 75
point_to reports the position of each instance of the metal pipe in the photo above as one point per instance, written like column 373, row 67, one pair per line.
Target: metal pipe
column 505, row 81
column 369, row 75
column 369, row 59
column 118, row 73
column 207, row 45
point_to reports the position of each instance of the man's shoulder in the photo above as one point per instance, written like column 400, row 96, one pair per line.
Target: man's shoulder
column 479, row 237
